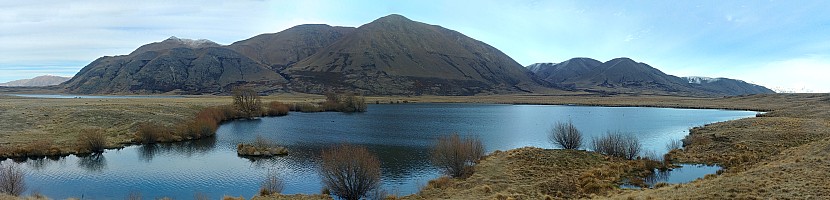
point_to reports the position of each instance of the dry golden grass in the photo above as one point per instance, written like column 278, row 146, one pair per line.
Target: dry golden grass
column 58, row 122
column 781, row 154
column 534, row 173
column 293, row 196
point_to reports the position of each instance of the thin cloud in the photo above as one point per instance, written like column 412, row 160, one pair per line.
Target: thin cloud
column 684, row 37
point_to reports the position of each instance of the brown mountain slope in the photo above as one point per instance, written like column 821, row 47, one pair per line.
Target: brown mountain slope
column 395, row 55
column 180, row 69
column 278, row 50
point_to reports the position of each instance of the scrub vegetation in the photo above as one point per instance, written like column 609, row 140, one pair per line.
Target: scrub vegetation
column 457, row 156
column 565, row 135
column 350, row 172
column 12, row 179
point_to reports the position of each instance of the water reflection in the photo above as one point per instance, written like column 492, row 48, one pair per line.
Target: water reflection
column 186, row 148
column 95, row 162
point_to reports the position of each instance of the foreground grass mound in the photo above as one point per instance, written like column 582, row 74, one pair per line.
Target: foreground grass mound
column 534, row 173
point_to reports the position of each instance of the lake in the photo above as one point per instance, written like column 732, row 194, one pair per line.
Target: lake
column 400, row 134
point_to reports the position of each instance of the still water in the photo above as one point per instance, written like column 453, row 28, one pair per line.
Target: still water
column 400, row 134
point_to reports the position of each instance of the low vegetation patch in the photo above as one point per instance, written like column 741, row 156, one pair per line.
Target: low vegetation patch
column 276, row 108
column 534, row 173
column 261, row 147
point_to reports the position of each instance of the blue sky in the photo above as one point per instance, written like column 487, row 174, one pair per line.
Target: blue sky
column 783, row 45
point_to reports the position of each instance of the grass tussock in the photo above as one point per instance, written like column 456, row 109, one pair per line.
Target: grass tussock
column 276, row 108
column 94, row 140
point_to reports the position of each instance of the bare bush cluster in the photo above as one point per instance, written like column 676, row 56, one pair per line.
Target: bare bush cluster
column 456, row 155
column 247, row 101
column 12, row 179
column 272, row 184
column 618, row 145
column 349, row 172
column 674, row 144
column 565, row 135
column 350, row 102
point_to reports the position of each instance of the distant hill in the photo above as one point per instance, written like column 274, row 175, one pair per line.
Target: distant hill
column 45, row 80
column 624, row 75
column 173, row 65
column 727, row 86
column 395, row 55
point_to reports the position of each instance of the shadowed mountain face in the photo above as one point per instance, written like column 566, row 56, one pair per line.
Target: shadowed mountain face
column 278, row 50
column 623, row 75
column 394, row 55
column 156, row 69
column 45, row 80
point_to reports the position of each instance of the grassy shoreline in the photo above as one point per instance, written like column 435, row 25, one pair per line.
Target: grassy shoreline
column 791, row 136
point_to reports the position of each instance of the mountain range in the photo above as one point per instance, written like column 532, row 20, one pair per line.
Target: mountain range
column 624, row 75
column 392, row 55
column 45, row 80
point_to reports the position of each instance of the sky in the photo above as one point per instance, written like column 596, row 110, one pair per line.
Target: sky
column 783, row 45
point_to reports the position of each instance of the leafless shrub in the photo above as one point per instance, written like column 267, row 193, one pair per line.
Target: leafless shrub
column 247, row 101
column 12, row 180
column 674, row 144
column 456, row 155
column 272, row 184
column 618, row 145
column 93, row 139
column 349, row 172
column 354, row 103
column 565, row 135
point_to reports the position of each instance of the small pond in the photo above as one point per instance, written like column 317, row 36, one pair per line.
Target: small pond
column 684, row 174
column 400, row 134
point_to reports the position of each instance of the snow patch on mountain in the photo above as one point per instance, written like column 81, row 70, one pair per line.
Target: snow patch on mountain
column 700, row 79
